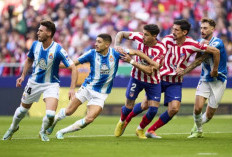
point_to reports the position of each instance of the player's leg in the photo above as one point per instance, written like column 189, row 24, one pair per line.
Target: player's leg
column 153, row 92
column 216, row 93
column 94, row 108
column 31, row 94
column 19, row 114
column 172, row 98
column 81, row 96
column 133, row 89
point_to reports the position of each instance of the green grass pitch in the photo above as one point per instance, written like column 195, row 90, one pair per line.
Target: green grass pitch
column 97, row 139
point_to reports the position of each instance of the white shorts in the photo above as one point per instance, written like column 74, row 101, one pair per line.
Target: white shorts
column 33, row 91
column 213, row 91
column 93, row 97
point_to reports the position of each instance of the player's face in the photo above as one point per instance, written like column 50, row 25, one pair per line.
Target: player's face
column 43, row 33
column 206, row 30
column 177, row 32
column 147, row 37
column 100, row 45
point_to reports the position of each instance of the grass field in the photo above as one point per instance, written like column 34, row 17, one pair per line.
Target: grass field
column 97, row 140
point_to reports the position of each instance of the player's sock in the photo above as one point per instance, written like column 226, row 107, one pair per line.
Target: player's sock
column 198, row 121
column 204, row 118
column 163, row 119
column 148, row 117
column 136, row 110
column 78, row 125
column 125, row 112
column 20, row 113
column 47, row 120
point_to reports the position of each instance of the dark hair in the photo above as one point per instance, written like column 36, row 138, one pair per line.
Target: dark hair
column 184, row 25
column 49, row 25
column 152, row 28
column 105, row 37
column 211, row 22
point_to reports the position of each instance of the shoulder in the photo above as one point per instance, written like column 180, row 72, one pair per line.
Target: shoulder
column 217, row 42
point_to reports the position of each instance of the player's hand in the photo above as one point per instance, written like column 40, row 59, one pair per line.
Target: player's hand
column 71, row 94
column 179, row 71
column 121, row 50
column 126, row 58
column 19, row 81
column 214, row 73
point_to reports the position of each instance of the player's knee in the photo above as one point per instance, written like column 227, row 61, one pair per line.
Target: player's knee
column 89, row 119
column 69, row 112
column 173, row 111
column 197, row 110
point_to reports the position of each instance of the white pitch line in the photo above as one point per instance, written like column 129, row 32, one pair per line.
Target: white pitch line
column 82, row 136
column 207, row 154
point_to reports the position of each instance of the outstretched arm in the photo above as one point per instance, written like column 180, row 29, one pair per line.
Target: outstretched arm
column 74, row 76
column 148, row 69
column 199, row 59
column 120, row 35
column 26, row 67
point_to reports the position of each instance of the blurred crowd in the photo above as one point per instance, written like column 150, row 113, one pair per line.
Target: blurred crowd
column 78, row 23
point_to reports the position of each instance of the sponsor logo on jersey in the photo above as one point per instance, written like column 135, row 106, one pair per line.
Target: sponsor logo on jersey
column 104, row 69
column 42, row 64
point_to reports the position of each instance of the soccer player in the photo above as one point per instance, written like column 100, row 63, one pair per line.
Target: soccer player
column 211, row 88
column 96, row 87
column 44, row 57
column 149, row 45
column 179, row 48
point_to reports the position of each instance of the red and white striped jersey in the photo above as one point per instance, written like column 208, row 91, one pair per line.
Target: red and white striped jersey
column 156, row 53
column 178, row 56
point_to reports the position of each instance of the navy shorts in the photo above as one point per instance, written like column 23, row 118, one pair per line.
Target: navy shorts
column 172, row 91
column 153, row 91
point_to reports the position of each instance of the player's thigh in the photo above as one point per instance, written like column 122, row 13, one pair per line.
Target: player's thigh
column 217, row 89
column 134, row 88
column 92, row 112
column 32, row 93
column 153, row 91
column 199, row 103
column 172, row 91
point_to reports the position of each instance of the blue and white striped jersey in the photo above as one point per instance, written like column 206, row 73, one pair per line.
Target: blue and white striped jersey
column 46, row 62
column 207, row 65
column 102, row 69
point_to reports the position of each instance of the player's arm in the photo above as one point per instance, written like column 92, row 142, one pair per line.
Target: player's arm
column 119, row 36
column 27, row 66
column 216, row 59
column 74, row 76
column 198, row 60
column 146, row 69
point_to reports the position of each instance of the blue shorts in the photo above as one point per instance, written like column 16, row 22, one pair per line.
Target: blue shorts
column 172, row 91
column 153, row 91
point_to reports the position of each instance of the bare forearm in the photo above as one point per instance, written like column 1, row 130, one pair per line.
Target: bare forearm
column 216, row 60
column 27, row 66
column 146, row 69
column 196, row 63
column 74, row 77
column 120, row 36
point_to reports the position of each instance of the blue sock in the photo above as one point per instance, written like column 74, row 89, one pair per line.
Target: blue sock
column 165, row 117
column 151, row 112
column 137, row 109
column 125, row 112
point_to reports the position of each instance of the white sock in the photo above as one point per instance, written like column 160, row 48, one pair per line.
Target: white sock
column 47, row 120
column 198, row 121
column 139, row 128
column 78, row 125
column 19, row 114
column 204, row 118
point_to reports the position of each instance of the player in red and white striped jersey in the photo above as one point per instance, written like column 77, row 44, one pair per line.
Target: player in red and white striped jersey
column 179, row 48
column 147, row 44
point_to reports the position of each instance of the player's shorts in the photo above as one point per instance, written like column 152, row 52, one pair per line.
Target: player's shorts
column 93, row 97
column 172, row 91
column 213, row 91
column 33, row 91
column 153, row 91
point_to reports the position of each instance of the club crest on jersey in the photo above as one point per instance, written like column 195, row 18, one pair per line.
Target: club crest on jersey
column 50, row 56
column 111, row 58
column 42, row 64
column 131, row 94
column 104, row 69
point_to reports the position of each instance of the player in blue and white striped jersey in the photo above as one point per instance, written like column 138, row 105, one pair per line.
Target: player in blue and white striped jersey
column 44, row 57
column 211, row 88
column 96, row 87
